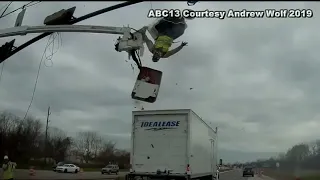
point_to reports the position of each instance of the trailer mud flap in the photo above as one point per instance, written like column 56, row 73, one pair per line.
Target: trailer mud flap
column 147, row 85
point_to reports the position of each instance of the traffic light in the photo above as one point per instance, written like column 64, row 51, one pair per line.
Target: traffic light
column 5, row 50
column 61, row 17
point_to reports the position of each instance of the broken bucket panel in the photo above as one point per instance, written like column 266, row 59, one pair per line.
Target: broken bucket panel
column 147, row 85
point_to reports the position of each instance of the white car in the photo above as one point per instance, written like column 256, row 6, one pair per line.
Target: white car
column 68, row 168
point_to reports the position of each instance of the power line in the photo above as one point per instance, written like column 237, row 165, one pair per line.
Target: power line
column 3, row 7
column 6, row 9
column 44, row 56
column 2, row 15
column 22, row 7
column 35, row 85
column 6, row 5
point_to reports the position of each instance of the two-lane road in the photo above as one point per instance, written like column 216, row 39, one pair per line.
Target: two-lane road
column 50, row 175
column 237, row 175
column 21, row 174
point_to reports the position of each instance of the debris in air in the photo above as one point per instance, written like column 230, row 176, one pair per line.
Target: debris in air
column 138, row 104
column 163, row 31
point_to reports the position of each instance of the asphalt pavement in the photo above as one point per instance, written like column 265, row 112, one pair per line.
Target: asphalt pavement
column 236, row 174
column 21, row 174
column 50, row 175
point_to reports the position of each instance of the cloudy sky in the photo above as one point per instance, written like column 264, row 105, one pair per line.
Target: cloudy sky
column 256, row 79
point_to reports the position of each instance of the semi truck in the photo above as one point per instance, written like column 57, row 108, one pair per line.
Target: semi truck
column 172, row 144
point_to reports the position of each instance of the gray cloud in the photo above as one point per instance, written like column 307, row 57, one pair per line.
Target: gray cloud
column 257, row 79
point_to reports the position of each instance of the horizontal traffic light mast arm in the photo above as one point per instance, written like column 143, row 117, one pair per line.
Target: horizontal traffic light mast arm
column 23, row 30
column 73, row 21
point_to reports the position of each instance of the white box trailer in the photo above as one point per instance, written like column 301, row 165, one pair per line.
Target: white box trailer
column 172, row 144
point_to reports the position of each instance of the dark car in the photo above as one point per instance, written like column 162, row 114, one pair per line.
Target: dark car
column 59, row 164
column 248, row 171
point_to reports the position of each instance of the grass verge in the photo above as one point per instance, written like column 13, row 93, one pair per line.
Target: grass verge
column 311, row 177
column 288, row 176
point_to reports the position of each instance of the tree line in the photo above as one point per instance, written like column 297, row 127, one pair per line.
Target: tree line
column 300, row 156
column 23, row 140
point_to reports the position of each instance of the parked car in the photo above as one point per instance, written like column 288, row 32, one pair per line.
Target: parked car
column 110, row 169
column 248, row 171
column 68, row 168
column 55, row 166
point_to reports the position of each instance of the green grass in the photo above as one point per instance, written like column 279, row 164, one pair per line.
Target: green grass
column 91, row 169
column 120, row 178
column 311, row 177
column 289, row 176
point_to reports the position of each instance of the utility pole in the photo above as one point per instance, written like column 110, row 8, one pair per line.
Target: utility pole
column 46, row 136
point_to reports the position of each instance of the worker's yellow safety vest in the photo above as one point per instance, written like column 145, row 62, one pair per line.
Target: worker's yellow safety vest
column 8, row 173
column 164, row 43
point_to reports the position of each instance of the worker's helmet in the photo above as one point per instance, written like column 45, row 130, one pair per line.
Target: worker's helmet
column 155, row 58
column 157, row 54
column 5, row 157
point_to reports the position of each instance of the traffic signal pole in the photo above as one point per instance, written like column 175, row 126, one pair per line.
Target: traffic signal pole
column 23, row 30
column 6, row 55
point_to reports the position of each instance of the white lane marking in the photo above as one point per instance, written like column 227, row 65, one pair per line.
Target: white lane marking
column 227, row 171
column 266, row 177
column 254, row 178
column 260, row 178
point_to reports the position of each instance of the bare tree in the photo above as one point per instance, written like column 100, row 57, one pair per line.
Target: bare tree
column 59, row 144
column 8, row 122
column 108, row 152
column 23, row 141
column 88, row 145
column 296, row 160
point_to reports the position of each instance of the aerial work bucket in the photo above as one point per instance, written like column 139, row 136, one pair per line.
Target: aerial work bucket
column 147, row 85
